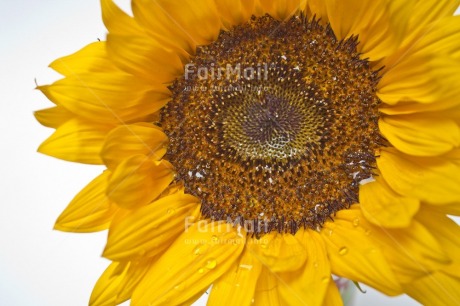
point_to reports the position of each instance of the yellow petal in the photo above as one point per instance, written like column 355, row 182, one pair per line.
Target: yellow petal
column 354, row 255
column 77, row 140
column 381, row 24
column 157, row 25
column 234, row 12
column 440, row 38
column 117, row 21
column 148, row 231
column 237, row 286
column 454, row 156
column 134, row 274
column 431, row 34
column 447, row 108
column 280, row 252
column 318, row 9
column 421, row 135
column 345, row 17
column 282, row 9
column 446, row 232
column 138, row 180
column 383, row 207
column 91, row 58
column 53, row 117
column 437, row 289
column 144, row 57
column 105, row 290
column 333, row 297
column 408, row 79
column 107, row 97
column 195, row 260
column 411, row 252
column 433, row 179
column 193, row 299
column 387, row 33
column 174, row 19
column 430, row 12
column 90, row 210
column 267, row 289
column 127, row 140
column 423, row 78
column 308, row 285
column 450, row 209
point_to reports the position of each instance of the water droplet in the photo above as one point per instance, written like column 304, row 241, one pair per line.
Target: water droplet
column 237, row 285
column 252, row 301
column 154, row 225
column 200, row 249
column 343, row 251
column 247, row 267
column 356, row 222
column 330, row 232
column 325, row 280
column 315, row 265
column 214, row 239
column 201, row 270
column 170, row 211
column 372, row 251
column 211, row 263
column 179, row 287
column 368, row 232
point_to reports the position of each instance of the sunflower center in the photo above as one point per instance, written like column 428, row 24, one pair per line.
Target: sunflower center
column 274, row 125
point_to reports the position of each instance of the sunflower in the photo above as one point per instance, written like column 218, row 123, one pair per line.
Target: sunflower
column 262, row 146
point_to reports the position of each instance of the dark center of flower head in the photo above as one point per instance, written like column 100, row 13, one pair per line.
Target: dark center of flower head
column 274, row 125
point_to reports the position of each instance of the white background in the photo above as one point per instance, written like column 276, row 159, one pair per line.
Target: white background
column 39, row 266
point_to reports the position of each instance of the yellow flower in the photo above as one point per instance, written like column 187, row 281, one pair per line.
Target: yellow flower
column 261, row 146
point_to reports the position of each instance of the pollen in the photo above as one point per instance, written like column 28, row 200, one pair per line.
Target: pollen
column 274, row 124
